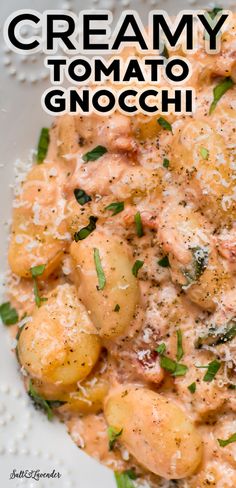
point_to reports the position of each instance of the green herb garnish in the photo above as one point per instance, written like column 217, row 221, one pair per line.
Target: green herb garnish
column 173, row 367
column 95, row 154
column 131, row 473
column 39, row 401
column 139, row 225
column 8, row 314
column 200, row 255
column 116, row 207
column 213, row 13
column 181, row 370
column 219, row 91
column 38, row 300
column 85, row 231
column 180, row 351
column 117, row 308
column 204, row 153
column 35, row 272
column 212, row 370
column 161, row 349
column 136, row 267
column 165, row 52
column 81, row 197
column 113, row 435
column 228, row 336
column 164, row 124
column 43, row 143
column 192, row 388
column 166, row 163
column 99, row 269
column 20, row 330
column 199, row 264
column 164, row 262
column 125, row 479
column 214, row 337
column 228, row 441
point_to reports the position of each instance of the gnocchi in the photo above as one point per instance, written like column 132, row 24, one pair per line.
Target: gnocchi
column 203, row 160
column 60, row 344
column 194, row 262
column 121, row 285
column 159, row 435
column 39, row 232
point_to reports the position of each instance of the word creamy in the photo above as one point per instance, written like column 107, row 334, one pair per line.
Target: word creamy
column 92, row 32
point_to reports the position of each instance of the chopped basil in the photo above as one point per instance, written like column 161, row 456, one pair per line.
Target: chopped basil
column 113, row 435
column 198, row 266
column 164, row 124
column 204, row 153
column 99, row 269
column 228, row 441
column 180, row 351
column 116, row 207
column 117, row 308
column 192, row 388
column 228, row 336
column 212, row 370
column 173, row 367
column 131, row 474
column 166, row 163
column 35, row 272
column 136, row 267
column 213, row 13
column 216, row 336
column 164, row 262
column 8, row 314
column 85, row 231
column 219, row 91
column 81, row 197
column 43, row 143
column 200, row 255
column 40, row 402
column 139, row 225
column 36, row 294
column 125, row 479
column 37, row 298
column 161, row 348
column 181, row 370
column 95, row 154
column 165, row 52
column 20, row 330
column 190, row 278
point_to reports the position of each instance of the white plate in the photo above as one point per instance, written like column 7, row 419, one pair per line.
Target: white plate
column 27, row 439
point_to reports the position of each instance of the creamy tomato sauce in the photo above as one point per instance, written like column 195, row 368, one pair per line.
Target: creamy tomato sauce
column 144, row 302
